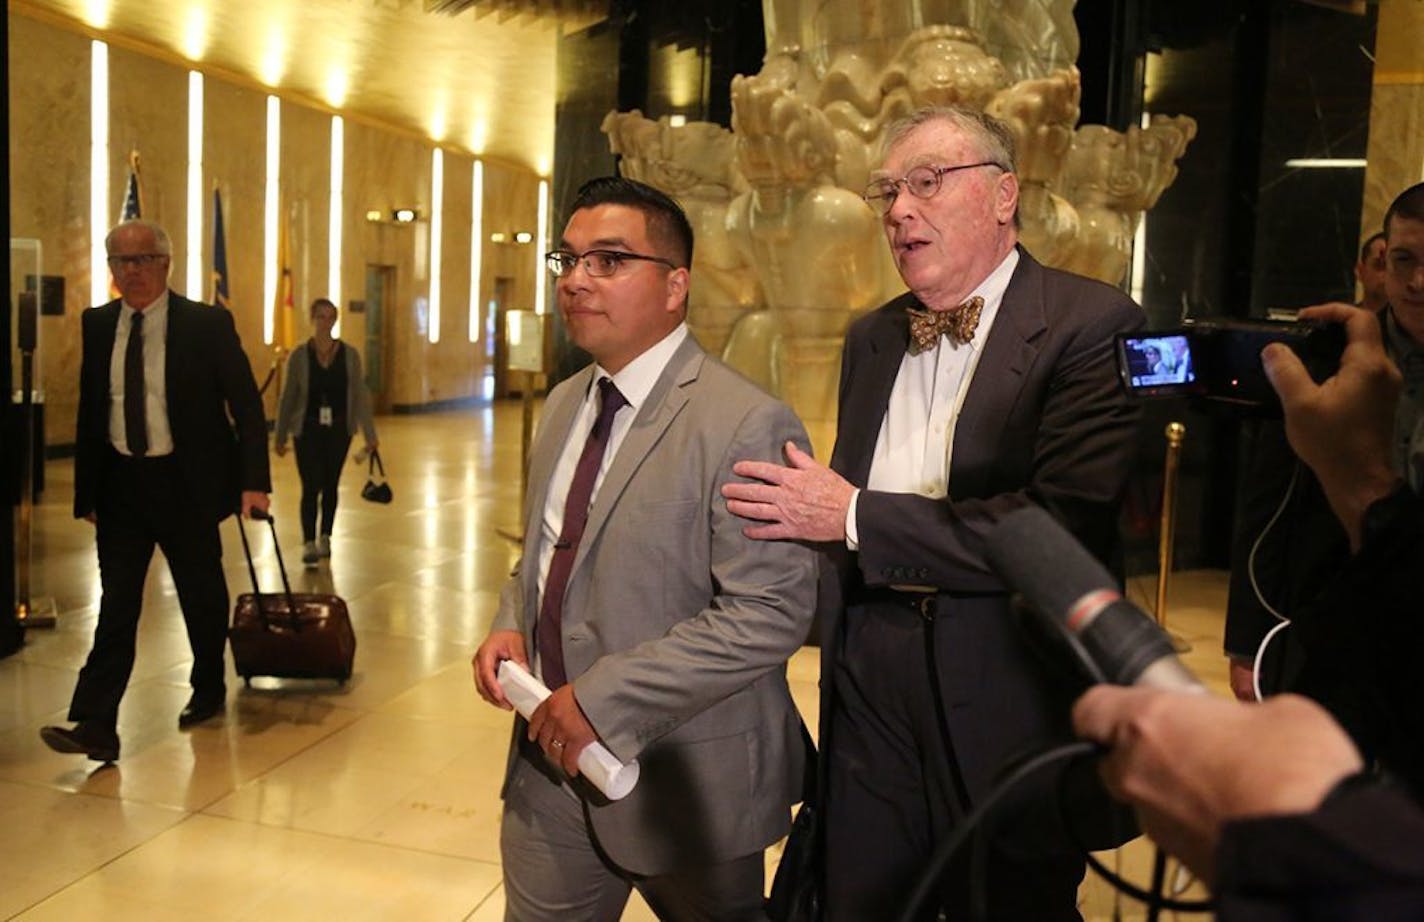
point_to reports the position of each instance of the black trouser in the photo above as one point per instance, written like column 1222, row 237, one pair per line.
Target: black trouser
column 321, row 452
column 142, row 503
column 892, row 796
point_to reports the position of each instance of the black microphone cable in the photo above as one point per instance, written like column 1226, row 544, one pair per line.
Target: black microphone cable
column 929, row 880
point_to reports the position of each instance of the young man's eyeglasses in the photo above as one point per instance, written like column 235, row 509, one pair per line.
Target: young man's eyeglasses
column 597, row 263
column 922, row 182
column 136, row 259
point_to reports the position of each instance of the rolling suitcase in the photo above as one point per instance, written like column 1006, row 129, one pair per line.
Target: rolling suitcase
column 301, row 635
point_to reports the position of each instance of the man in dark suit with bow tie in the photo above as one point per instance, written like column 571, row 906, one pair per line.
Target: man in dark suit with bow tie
column 171, row 439
column 989, row 386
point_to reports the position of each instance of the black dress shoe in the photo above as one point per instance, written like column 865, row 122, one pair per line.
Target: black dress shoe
column 199, row 710
column 97, row 741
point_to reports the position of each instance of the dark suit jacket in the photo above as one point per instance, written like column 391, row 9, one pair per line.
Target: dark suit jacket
column 1358, row 856
column 1045, row 421
column 208, row 380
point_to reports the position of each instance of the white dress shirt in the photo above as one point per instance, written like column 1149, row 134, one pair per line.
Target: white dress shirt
column 915, row 446
column 155, row 383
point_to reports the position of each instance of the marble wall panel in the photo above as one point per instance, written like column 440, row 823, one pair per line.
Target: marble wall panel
column 383, row 172
column 49, row 201
column 1396, row 145
column 306, row 197
column 49, row 193
column 512, row 205
column 234, row 162
column 148, row 114
column 456, row 365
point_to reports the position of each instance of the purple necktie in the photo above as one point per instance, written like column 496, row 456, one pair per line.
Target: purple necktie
column 549, row 630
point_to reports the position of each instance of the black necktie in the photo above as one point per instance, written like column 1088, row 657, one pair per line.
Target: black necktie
column 549, row 630
column 135, row 419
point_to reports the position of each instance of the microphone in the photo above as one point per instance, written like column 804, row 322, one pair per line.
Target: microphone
column 1039, row 559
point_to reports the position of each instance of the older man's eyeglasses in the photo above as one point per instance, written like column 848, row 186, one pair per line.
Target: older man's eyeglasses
column 597, row 263
column 922, row 182
column 135, row 260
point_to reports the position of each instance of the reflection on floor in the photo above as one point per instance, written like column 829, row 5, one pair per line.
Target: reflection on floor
column 376, row 800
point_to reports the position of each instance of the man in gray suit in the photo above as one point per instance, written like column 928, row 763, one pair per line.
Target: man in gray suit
column 662, row 630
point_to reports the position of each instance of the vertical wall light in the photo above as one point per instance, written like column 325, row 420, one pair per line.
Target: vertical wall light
column 195, row 185
column 98, row 171
column 271, row 271
column 541, row 276
column 1137, row 273
column 477, row 242
column 437, row 205
column 333, row 234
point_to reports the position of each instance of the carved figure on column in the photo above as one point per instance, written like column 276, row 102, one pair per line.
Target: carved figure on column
column 696, row 164
column 1111, row 177
column 1041, row 114
column 815, row 246
column 807, row 128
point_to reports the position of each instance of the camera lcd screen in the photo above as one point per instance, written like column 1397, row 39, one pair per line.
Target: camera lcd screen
column 1157, row 364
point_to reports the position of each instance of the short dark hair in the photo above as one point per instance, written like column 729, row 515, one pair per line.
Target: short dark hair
column 1408, row 204
column 668, row 227
column 322, row 302
column 1369, row 242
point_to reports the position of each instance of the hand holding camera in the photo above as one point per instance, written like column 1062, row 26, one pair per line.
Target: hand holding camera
column 1342, row 428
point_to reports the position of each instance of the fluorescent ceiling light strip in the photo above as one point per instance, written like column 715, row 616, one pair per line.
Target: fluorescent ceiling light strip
column 195, row 185
column 338, row 180
column 98, row 172
column 437, row 198
column 477, row 241
column 541, row 274
column 1327, row 163
column 271, row 270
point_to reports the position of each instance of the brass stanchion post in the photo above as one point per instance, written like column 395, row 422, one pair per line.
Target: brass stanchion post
column 29, row 611
column 526, row 436
column 1175, row 433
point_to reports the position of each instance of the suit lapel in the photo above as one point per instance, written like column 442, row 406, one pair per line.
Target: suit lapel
column 665, row 401
column 998, row 380
column 175, row 348
column 554, row 425
column 864, row 406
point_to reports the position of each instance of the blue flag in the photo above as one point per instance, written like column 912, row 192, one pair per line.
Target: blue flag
column 219, row 254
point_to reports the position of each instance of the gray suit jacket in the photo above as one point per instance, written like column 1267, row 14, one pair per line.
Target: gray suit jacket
column 676, row 626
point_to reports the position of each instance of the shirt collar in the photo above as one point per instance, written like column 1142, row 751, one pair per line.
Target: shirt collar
column 157, row 308
column 992, row 291
column 636, row 379
column 1405, row 351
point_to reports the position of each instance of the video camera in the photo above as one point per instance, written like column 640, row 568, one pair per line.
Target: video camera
column 1220, row 360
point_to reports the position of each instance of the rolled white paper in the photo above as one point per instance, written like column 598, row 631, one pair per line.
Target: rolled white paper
column 601, row 767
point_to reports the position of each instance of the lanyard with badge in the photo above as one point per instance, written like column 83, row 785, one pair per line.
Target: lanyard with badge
column 324, row 415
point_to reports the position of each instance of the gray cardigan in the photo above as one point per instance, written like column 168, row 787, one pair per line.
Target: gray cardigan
column 291, row 408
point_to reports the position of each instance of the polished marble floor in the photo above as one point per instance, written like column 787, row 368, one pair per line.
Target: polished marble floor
column 374, row 800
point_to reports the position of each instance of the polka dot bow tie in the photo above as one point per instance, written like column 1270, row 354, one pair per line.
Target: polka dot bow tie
column 959, row 324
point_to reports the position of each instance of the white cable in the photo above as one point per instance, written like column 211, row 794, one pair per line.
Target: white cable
column 1265, row 529
column 1256, row 586
column 1261, row 655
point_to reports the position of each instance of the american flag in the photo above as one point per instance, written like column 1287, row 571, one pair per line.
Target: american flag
column 133, row 195
column 219, row 254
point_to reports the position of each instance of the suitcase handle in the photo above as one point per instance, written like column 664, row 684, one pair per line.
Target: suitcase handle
column 296, row 623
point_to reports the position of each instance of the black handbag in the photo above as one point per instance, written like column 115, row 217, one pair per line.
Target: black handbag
column 796, row 887
column 376, row 491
